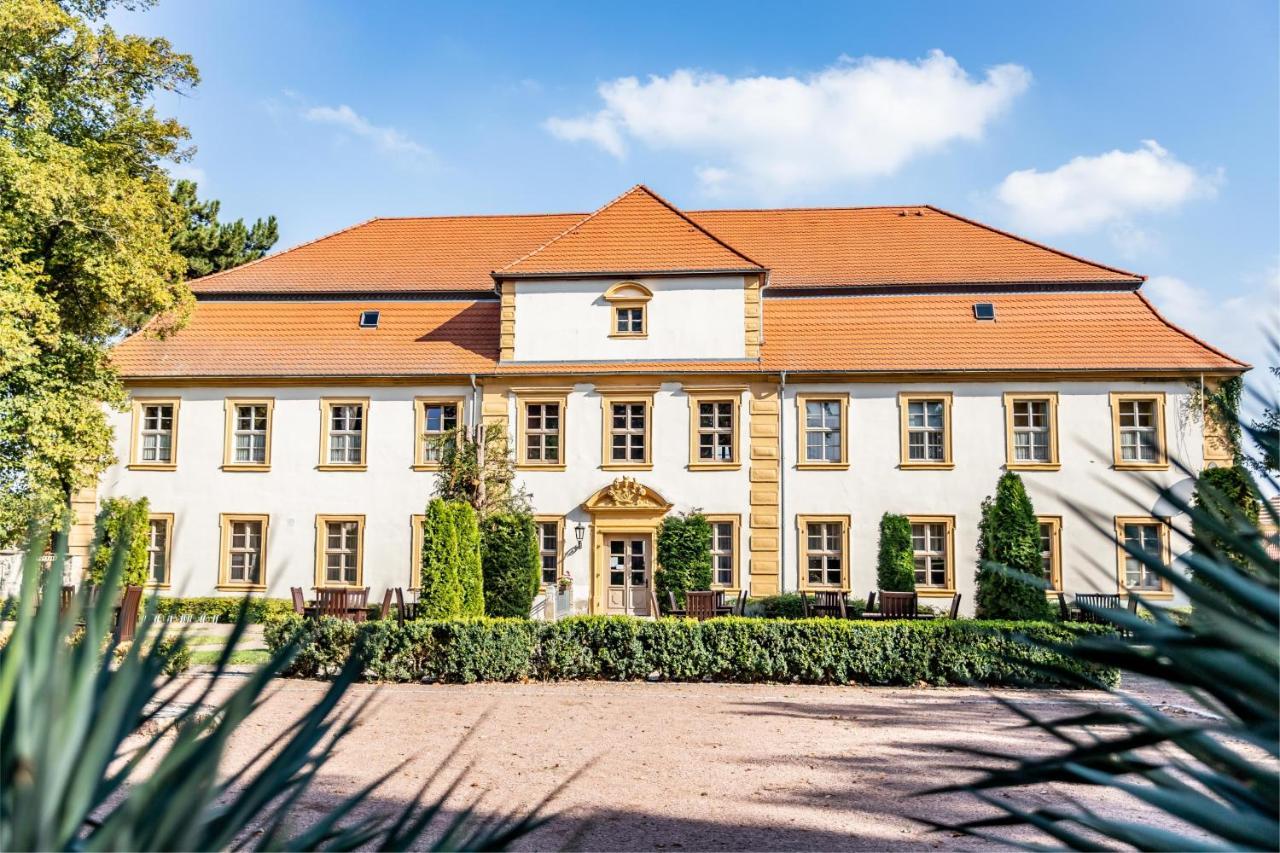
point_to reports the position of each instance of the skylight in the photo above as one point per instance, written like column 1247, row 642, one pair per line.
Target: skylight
column 369, row 319
column 984, row 311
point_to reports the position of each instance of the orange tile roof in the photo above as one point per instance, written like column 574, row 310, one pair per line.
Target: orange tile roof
column 288, row 339
column 637, row 232
column 818, row 247
column 1045, row 331
column 447, row 253
column 867, row 246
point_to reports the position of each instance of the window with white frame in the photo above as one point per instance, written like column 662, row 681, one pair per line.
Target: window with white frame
column 1147, row 539
column 346, row 433
column 1031, row 431
column 250, row 423
column 1139, row 431
column 542, row 433
column 158, row 531
column 722, row 553
column 439, row 419
column 824, row 553
column 628, row 432
column 926, row 430
column 929, row 548
column 823, row 428
column 155, row 433
column 628, row 320
column 244, row 552
column 715, row 431
column 342, row 552
column 549, row 550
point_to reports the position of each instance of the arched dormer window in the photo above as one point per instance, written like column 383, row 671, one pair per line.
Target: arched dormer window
column 630, row 314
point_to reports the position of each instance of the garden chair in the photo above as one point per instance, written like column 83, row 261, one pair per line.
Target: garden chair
column 673, row 609
column 385, row 610
column 358, row 603
column 1090, row 603
column 740, row 608
column 899, row 605
column 830, row 604
column 299, row 603
column 701, row 604
column 871, row 602
column 653, row 604
column 333, row 601
column 804, row 605
column 400, row 614
column 954, row 612
column 1064, row 612
column 127, row 615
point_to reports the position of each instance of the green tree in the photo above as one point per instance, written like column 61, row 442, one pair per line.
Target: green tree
column 895, row 563
column 511, row 565
column 86, row 227
column 122, row 525
column 1009, row 543
column 211, row 246
column 470, row 568
column 476, row 466
column 1265, row 432
column 684, row 555
column 1226, row 500
column 440, row 589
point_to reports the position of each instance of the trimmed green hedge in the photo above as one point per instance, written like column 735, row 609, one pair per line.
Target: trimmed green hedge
column 222, row 609
column 811, row 651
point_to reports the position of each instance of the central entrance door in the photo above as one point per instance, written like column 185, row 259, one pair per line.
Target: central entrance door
column 629, row 573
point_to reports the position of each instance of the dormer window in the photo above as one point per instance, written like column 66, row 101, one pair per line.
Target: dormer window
column 630, row 314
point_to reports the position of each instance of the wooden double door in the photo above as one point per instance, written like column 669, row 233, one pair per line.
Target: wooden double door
column 628, row 573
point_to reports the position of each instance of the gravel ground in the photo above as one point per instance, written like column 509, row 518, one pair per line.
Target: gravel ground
column 684, row 766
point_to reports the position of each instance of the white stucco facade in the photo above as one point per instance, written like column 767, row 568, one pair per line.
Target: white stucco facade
column 390, row 491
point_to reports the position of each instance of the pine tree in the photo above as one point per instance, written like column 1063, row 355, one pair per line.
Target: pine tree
column 440, row 591
column 895, row 564
column 470, row 570
column 211, row 246
column 1009, row 537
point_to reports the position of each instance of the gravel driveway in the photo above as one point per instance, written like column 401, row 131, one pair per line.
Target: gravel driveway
column 683, row 766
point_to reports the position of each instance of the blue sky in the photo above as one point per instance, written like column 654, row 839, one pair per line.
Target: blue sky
column 1145, row 135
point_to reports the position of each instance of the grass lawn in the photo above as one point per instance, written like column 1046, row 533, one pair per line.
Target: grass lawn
column 208, row 657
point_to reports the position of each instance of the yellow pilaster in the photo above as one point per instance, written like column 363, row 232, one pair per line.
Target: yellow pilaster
column 763, row 521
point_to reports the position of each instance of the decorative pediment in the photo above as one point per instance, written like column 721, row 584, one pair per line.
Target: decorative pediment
column 628, row 291
column 626, row 494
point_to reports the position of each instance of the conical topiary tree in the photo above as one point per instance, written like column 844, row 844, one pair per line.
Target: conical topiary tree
column 1009, row 535
column 895, row 564
column 440, row 592
column 470, row 572
column 684, row 555
column 512, row 571
column 121, row 520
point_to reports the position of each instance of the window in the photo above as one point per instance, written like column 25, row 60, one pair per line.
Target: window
column 244, row 552
column 1031, row 431
column 433, row 420
column 1138, row 431
column 342, row 440
column 339, row 550
column 626, row 432
column 713, row 431
column 1139, row 537
column 823, row 547
column 629, row 301
column 822, row 432
column 247, row 445
column 159, row 539
column 369, row 319
column 549, row 534
column 540, row 443
column 1051, row 549
column 724, row 551
column 931, row 546
column 155, row 442
column 926, row 430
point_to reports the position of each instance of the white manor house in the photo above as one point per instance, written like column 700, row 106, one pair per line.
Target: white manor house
column 794, row 374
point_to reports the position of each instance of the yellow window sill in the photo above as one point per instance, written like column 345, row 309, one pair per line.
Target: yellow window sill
column 934, row 592
column 165, row 466
column 237, row 467
column 1141, row 466
column 1152, row 594
column 1033, row 466
column 926, row 466
column 226, row 587
column 156, row 586
column 342, row 467
column 822, row 466
column 633, row 466
column 715, row 466
column 810, row 588
column 529, row 466
column 434, row 466
column 632, row 336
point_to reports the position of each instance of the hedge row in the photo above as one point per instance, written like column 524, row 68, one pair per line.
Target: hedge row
column 811, row 651
column 215, row 609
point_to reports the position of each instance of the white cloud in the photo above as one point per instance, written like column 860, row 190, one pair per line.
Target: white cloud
column 388, row 140
column 188, row 172
column 1107, row 190
column 857, row 119
column 1235, row 323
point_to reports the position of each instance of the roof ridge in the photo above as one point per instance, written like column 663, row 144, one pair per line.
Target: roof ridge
column 805, row 207
column 282, row 252
column 1156, row 313
column 635, row 188
column 1031, row 242
column 471, row 216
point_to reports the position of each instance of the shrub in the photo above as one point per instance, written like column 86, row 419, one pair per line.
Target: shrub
column 895, row 563
column 440, row 590
column 814, row 651
column 1228, row 502
column 470, row 570
column 511, row 566
column 684, row 555
column 123, row 521
column 1009, row 545
column 220, row 609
